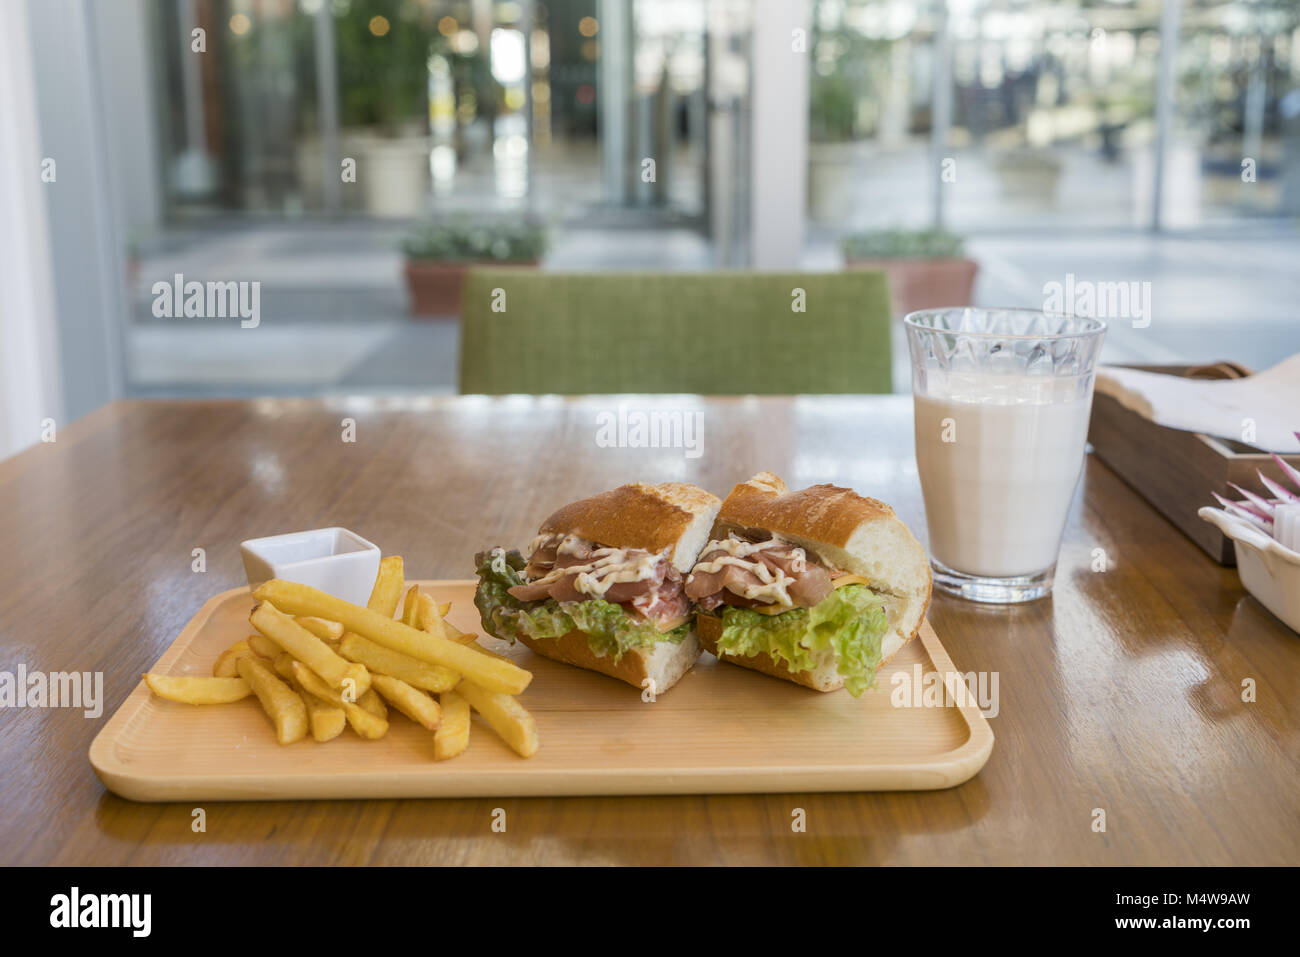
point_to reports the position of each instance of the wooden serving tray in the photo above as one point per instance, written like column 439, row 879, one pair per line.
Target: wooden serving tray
column 720, row 729
column 1175, row 471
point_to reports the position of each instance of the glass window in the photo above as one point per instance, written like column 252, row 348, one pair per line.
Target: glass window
column 870, row 89
column 239, row 101
column 1235, row 151
column 1053, row 113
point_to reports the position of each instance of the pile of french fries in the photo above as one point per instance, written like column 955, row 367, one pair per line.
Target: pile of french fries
column 318, row 664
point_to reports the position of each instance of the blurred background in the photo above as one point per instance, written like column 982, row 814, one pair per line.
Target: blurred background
column 337, row 151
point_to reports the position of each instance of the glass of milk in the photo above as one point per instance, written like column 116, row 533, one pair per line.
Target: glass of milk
column 1002, row 400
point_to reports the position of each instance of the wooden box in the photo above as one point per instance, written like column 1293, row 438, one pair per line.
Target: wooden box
column 1177, row 471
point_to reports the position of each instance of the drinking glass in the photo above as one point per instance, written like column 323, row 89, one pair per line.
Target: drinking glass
column 1002, row 399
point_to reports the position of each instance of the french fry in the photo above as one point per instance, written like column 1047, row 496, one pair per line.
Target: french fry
column 325, row 718
column 490, row 674
column 380, row 660
column 488, row 651
column 412, row 702
column 452, row 736
column 283, row 666
column 317, row 664
column 263, row 647
column 411, row 607
column 384, row 596
column 433, row 618
column 363, row 722
column 307, row 648
column 430, row 615
column 468, row 638
column 506, row 716
column 455, row 634
column 280, row 702
column 387, row 590
column 187, row 690
column 225, row 665
column 373, row 703
column 322, row 629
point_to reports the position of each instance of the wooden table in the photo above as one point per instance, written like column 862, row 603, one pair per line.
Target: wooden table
column 1122, row 692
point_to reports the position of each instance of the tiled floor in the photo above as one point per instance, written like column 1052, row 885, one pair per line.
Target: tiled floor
column 334, row 314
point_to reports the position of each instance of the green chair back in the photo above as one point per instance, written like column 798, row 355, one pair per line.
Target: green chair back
column 716, row 333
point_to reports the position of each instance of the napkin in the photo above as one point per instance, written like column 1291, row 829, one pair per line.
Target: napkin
column 1267, row 402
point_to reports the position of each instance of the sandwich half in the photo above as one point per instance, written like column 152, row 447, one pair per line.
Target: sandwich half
column 819, row 586
column 602, row 586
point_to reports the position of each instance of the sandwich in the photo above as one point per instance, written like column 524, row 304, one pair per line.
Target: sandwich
column 819, row 587
column 602, row 585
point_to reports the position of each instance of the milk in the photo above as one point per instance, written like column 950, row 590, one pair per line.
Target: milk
column 999, row 457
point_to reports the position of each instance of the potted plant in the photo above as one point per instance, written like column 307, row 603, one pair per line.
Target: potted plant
column 385, row 52
column 844, row 88
column 926, row 268
column 438, row 255
column 832, row 147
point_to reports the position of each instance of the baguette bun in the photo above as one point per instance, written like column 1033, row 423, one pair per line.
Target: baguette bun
column 664, row 663
column 673, row 515
column 858, row 535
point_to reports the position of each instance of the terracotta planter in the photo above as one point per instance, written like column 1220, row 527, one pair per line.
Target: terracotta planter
column 924, row 283
column 435, row 287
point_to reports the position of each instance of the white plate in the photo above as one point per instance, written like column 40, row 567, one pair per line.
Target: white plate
column 334, row 560
column 1268, row 570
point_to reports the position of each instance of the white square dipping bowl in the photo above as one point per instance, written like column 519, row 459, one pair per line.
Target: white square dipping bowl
column 334, row 560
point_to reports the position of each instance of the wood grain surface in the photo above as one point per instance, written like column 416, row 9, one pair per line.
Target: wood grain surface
column 1122, row 692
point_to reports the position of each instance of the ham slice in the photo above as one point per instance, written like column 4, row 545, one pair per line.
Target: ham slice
column 806, row 581
column 656, row 593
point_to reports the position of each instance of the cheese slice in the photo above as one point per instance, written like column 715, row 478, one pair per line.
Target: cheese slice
column 849, row 580
column 674, row 623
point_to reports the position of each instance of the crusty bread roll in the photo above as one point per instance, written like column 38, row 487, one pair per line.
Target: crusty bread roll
column 663, row 663
column 858, row 535
column 654, row 517
column 674, row 515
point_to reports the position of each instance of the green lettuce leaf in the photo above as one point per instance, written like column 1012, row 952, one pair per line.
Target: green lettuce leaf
column 610, row 629
column 498, row 571
column 851, row 621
